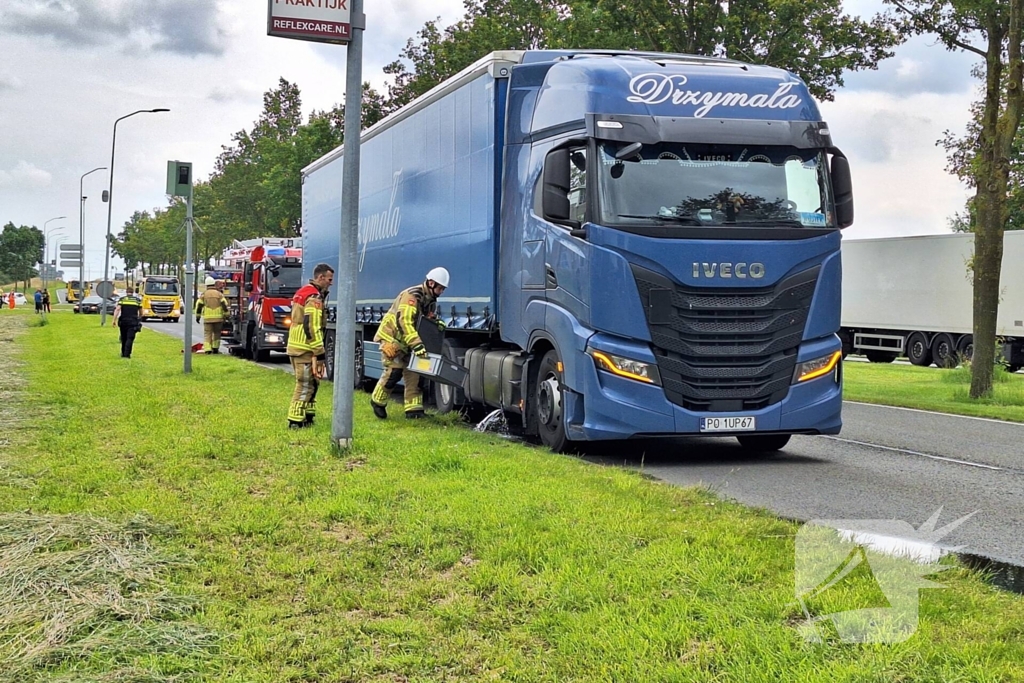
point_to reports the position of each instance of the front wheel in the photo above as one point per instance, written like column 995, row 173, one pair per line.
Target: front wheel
column 547, row 397
column 174, row 320
column 763, row 443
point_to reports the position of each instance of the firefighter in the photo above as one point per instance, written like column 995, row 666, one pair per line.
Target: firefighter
column 212, row 307
column 399, row 340
column 306, row 346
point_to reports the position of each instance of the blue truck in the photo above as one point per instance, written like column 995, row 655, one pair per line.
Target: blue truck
column 640, row 244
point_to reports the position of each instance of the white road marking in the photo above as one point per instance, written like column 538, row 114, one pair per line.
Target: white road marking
column 918, row 453
column 934, row 412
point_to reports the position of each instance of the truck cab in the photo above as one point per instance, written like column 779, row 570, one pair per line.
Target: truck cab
column 161, row 298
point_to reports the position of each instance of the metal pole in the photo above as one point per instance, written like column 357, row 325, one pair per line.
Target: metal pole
column 110, row 202
column 81, row 230
column 189, row 273
column 345, row 281
column 46, row 236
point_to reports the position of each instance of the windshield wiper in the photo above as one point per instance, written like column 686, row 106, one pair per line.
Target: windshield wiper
column 773, row 221
column 674, row 218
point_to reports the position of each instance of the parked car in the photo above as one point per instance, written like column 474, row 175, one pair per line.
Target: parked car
column 91, row 304
column 19, row 299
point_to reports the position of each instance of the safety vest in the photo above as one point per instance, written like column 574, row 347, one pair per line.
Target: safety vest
column 130, row 307
column 306, row 334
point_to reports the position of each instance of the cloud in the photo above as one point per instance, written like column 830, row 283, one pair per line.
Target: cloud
column 9, row 83
column 920, row 66
column 25, row 175
column 186, row 27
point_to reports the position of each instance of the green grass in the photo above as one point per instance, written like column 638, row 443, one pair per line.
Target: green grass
column 427, row 553
column 944, row 391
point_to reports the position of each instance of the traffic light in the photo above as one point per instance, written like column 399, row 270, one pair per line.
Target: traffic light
column 179, row 178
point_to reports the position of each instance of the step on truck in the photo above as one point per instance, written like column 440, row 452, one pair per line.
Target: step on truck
column 640, row 244
column 914, row 297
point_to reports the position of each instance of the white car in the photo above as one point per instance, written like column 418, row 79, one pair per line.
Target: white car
column 19, row 299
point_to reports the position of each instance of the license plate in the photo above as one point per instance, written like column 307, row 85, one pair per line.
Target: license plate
column 728, row 424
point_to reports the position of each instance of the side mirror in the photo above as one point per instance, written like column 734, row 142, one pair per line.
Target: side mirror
column 248, row 286
column 556, row 185
column 842, row 185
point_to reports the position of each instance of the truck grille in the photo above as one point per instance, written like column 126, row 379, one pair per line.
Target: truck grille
column 162, row 307
column 721, row 350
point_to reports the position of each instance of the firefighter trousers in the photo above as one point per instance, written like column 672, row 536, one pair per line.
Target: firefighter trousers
column 211, row 333
column 397, row 369
column 303, row 405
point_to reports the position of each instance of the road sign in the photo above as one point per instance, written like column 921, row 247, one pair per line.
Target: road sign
column 105, row 289
column 70, row 264
column 70, row 247
column 327, row 21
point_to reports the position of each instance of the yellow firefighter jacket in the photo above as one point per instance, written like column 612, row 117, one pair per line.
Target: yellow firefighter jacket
column 212, row 306
column 306, row 334
column 399, row 323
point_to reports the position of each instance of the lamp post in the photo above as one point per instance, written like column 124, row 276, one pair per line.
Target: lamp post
column 110, row 201
column 81, row 230
column 46, row 237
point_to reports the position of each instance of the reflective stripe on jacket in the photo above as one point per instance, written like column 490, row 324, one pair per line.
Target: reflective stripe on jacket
column 306, row 334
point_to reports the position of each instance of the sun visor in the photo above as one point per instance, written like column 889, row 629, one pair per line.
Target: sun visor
column 654, row 129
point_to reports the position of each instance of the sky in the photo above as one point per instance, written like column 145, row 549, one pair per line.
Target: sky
column 71, row 67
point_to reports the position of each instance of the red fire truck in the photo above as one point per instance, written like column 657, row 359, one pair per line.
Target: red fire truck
column 265, row 273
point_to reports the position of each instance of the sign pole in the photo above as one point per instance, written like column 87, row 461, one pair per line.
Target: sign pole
column 345, row 278
column 189, row 274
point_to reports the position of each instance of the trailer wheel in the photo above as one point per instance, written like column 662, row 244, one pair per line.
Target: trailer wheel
column 446, row 397
column 1013, row 368
column 944, row 351
column 918, row 352
column 763, row 443
column 880, row 356
column 965, row 348
column 847, row 341
column 547, row 397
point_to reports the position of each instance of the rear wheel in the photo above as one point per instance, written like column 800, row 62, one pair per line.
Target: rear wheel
column 965, row 347
column 764, row 443
column 918, row 352
column 944, row 351
column 1013, row 368
column 446, row 397
column 174, row 320
column 881, row 356
column 547, row 397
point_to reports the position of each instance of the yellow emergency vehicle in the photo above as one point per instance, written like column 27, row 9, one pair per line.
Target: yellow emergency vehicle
column 161, row 298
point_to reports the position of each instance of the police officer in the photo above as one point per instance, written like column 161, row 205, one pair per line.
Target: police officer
column 212, row 306
column 306, row 346
column 399, row 340
column 128, row 320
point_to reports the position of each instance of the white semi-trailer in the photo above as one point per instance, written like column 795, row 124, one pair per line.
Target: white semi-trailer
column 913, row 296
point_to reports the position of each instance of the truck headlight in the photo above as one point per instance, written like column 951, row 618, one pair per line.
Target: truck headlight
column 819, row 367
column 275, row 338
column 626, row 367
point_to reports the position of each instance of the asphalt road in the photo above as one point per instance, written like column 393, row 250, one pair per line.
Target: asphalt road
column 888, row 463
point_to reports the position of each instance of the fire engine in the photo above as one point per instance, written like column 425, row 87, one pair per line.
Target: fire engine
column 263, row 275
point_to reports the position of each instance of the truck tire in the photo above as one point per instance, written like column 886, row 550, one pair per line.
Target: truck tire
column 1013, row 368
column 881, row 356
column 446, row 397
column 847, row 341
column 547, row 397
column 763, row 443
column 944, row 351
column 918, row 352
column 965, row 348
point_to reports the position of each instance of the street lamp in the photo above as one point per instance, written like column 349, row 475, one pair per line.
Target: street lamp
column 81, row 231
column 110, row 201
column 46, row 236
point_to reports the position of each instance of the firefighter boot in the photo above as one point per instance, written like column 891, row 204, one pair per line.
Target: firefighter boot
column 297, row 415
column 415, row 414
column 379, row 410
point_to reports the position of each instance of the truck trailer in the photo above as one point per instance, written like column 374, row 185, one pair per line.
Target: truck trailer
column 913, row 297
column 640, row 244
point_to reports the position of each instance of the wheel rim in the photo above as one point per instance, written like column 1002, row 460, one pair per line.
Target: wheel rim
column 446, row 393
column 917, row 348
column 549, row 408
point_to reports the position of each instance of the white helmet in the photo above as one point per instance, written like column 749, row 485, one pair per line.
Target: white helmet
column 210, row 282
column 440, row 276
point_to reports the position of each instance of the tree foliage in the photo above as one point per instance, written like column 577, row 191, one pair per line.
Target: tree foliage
column 21, row 248
column 991, row 29
column 812, row 38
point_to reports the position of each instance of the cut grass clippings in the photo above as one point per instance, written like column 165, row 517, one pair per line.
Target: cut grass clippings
column 430, row 552
column 945, row 391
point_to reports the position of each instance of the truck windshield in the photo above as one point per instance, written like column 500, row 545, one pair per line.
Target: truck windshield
column 286, row 282
column 161, row 288
column 713, row 185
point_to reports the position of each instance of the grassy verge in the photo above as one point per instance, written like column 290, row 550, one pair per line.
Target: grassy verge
column 431, row 552
column 933, row 389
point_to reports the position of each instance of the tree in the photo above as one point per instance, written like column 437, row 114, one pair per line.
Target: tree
column 995, row 25
column 812, row 38
column 21, row 248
